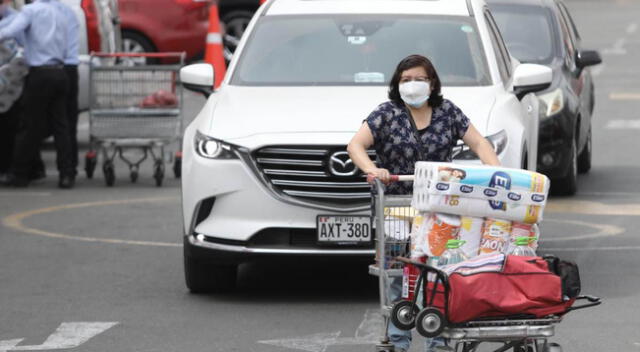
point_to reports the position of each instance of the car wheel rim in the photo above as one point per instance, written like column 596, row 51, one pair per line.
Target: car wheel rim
column 132, row 46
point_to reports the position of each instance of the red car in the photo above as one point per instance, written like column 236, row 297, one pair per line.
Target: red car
column 177, row 25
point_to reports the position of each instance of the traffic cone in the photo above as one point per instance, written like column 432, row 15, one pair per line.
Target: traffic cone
column 214, row 51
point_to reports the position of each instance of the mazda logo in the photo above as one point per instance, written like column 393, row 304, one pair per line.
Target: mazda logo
column 340, row 164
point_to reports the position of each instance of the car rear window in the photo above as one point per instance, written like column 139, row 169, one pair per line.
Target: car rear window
column 527, row 31
column 358, row 50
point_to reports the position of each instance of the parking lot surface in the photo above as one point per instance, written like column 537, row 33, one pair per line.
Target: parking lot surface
column 98, row 269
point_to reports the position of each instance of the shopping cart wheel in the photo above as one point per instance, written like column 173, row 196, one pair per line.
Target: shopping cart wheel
column 158, row 172
column 177, row 165
column 430, row 322
column 551, row 347
column 90, row 163
column 109, row 173
column 133, row 175
column 403, row 315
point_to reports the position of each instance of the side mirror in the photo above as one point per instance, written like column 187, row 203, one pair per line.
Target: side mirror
column 198, row 78
column 529, row 78
column 586, row 58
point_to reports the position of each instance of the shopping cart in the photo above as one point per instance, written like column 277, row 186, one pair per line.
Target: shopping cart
column 134, row 107
column 518, row 333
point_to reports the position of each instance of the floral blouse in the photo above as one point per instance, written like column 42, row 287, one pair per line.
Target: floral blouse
column 399, row 145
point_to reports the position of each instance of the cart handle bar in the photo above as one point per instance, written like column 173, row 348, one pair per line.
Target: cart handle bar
column 393, row 178
column 150, row 55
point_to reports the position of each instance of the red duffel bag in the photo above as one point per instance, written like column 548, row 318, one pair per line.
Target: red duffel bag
column 502, row 286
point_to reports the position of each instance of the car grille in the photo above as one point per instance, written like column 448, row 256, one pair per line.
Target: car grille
column 305, row 174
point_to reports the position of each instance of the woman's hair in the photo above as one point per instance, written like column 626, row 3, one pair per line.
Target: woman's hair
column 409, row 62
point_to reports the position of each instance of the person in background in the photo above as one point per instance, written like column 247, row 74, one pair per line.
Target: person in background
column 416, row 124
column 45, row 32
column 71, row 62
column 13, row 69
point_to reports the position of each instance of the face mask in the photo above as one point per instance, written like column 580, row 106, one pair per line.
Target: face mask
column 415, row 93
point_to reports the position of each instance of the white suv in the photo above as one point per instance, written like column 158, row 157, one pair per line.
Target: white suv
column 266, row 155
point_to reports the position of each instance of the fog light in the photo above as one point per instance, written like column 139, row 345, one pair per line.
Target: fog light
column 547, row 159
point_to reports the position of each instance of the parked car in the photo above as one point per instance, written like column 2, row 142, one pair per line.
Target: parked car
column 180, row 25
column 267, row 153
column 543, row 32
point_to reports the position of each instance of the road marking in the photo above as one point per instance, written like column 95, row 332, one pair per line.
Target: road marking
column 624, row 96
column 368, row 333
column 592, row 208
column 66, row 336
column 623, row 125
column 604, row 231
column 632, row 28
column 617, row 48
column 15, row 221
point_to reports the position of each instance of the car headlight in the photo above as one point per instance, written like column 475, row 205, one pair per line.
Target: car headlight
column 212, row 148
column 498, row 141
column 554, row 101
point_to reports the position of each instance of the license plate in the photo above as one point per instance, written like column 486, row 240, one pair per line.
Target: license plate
column 343, row 229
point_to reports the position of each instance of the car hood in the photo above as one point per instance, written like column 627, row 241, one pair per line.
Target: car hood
column 244, row 115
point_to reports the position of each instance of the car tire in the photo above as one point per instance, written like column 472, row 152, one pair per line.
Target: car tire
column 202, row 277
column 584, row 159
column 133, row 42
column 235, row 23
column 568, row 185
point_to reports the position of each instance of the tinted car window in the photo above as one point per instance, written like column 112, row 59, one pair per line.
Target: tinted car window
column 528, row 32
column 350, row 50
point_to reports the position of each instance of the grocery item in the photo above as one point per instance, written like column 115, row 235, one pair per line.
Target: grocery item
column 519, row 229
column 439, row 229
column 522, row 248
column 495, row 236
column 418, row 238
column 453, row 254
column 471, row 233
column 480, row 191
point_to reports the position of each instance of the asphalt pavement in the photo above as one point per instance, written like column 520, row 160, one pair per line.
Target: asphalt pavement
column 98, row 269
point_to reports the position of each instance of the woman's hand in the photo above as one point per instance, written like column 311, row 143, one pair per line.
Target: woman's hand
column 381, row 174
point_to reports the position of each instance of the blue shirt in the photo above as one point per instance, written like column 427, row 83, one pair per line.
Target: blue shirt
column 45, row 33
column 73, row 33
column 399, row 145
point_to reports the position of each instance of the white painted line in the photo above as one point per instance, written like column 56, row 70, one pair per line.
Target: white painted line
column 623, row 125
column 617, row 48
column 6, row 345
column 68, row 335
column 368, row 333
column 624, row 96
column 632, row 28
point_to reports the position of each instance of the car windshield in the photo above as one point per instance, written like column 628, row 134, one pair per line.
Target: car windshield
column 527, row 31
column 358, row 50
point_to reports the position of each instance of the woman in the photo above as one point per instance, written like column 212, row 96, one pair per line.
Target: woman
column 416, row 124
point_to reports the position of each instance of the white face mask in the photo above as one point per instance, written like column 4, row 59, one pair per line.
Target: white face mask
column 415, row 93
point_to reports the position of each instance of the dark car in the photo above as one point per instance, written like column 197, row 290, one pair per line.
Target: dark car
column 543, row 32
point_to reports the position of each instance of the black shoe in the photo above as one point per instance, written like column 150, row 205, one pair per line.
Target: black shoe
column 14, row 181
column 66, row 182
column 37, row 175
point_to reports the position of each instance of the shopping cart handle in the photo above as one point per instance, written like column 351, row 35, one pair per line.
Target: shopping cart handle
column 392, row 178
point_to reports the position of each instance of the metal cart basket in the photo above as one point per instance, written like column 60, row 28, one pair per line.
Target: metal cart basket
column 519, row 334
column 134, row 107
